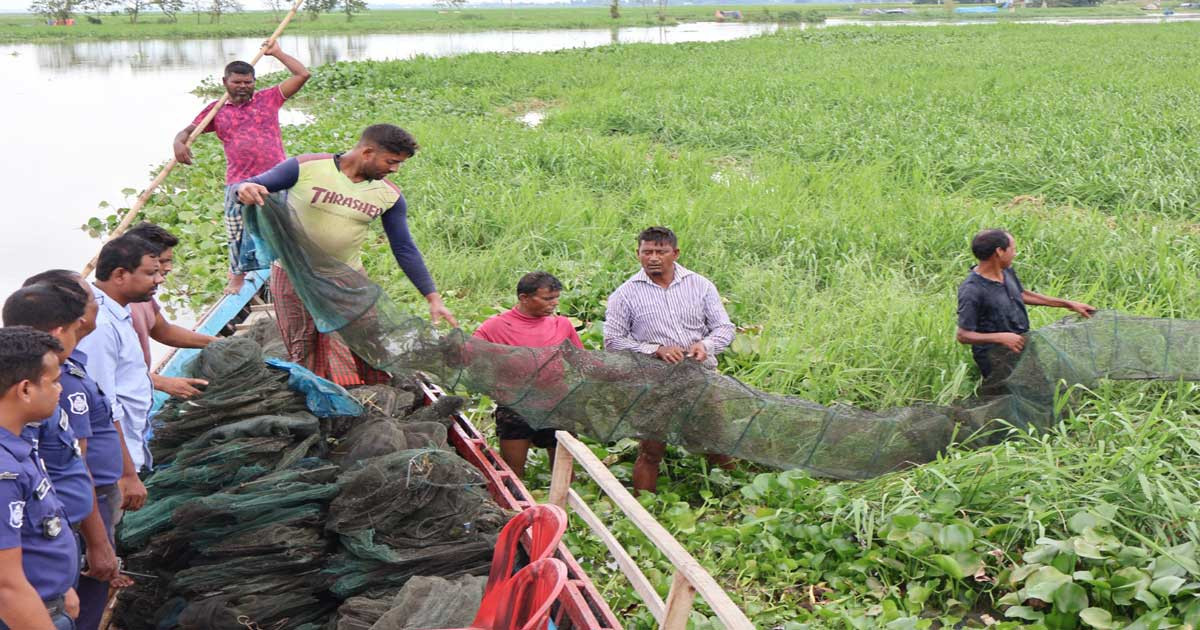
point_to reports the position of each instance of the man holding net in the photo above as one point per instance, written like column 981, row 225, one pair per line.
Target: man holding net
column 991, row 301
column 532, row 324
column 672, row 314
column 335, row 197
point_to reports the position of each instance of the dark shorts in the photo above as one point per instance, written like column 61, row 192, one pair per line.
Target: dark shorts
column 511, row 426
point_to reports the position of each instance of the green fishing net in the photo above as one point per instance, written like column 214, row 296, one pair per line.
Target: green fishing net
column 423, row 602
column 262, row 515
column 609, row 396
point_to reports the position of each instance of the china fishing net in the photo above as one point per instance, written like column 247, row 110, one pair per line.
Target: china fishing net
column 609, row 396
column 423, row 602
column 263, row 515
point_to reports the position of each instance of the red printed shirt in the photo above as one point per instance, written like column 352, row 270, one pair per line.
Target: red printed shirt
column 535, row 376
column 514, row 328
column 250, row 134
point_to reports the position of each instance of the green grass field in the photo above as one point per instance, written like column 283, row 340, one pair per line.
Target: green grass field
column 828, row 182
column 27, row 28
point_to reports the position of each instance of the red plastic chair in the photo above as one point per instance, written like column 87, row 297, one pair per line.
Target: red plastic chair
column 526, row 598
column 523, row 601
column 545, row 525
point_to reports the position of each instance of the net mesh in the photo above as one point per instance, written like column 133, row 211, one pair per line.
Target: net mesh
column 262, row 515
column 609, row 396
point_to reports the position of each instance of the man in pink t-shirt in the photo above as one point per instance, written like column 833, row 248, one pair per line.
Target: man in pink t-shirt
column 149, row 323
column 248, row 127
column 531, row 324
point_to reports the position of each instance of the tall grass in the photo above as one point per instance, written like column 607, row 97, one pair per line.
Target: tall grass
column 828, row 182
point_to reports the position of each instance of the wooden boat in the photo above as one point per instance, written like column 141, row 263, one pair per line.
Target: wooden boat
column 580, row 604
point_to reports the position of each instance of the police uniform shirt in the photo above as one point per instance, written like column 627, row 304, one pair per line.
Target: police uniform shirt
column 55, row 443
column 91, row 418
column 32, row 518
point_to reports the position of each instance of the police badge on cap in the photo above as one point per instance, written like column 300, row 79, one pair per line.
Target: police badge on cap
column 79, row 404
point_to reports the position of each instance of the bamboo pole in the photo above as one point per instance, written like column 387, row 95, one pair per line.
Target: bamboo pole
column 137, row 206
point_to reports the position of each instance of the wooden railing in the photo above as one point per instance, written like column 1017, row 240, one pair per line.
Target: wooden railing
column 690, row 578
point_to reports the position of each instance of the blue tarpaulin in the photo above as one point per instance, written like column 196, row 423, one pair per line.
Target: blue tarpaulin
column 324, row 398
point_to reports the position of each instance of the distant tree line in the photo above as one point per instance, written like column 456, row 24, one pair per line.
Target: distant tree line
column 314, row 8
column 62, row 10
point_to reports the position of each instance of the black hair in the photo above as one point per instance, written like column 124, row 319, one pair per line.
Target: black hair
column 124, row 252
column 390, row 138
column 22, row 352
column 534, row 280
column 43, row 306
column 155, row 234
column 987, row 242
column 238, row 67
column 658, row 234
column 63, row 278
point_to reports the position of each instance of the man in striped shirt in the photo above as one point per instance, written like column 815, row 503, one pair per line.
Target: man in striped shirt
column 671, row 313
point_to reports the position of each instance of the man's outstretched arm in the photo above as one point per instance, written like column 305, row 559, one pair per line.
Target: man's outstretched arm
column 176, row 336
column 395, row 225
column 1037, row 299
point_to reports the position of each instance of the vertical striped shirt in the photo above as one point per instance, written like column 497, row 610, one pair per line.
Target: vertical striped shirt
column 115, row 360
column 642, row 316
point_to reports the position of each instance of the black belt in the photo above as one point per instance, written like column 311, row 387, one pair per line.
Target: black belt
column 55, row 606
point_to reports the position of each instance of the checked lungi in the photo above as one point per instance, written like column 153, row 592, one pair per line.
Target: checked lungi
column 324, row 354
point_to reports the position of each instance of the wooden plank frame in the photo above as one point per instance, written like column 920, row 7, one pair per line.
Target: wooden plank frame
column 690, row 578
column 581, row 606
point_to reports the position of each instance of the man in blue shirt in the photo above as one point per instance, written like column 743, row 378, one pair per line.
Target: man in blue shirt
column 127, row 271
column 991, row 301
column 38, row 555
column 108, row 459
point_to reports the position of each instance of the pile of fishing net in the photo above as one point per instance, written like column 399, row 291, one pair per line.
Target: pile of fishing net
column 262, row 513
column 609, row 396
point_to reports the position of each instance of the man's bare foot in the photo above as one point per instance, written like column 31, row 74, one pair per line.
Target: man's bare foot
column 236, row 280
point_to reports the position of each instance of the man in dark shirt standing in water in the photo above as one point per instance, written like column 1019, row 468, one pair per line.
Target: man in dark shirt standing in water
column 991, row 301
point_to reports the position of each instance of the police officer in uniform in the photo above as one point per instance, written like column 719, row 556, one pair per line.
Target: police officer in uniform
column 104, row 449
column 57, row 311
column 39, row 559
